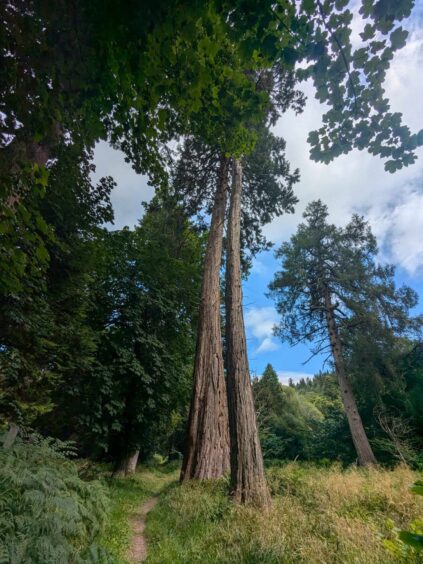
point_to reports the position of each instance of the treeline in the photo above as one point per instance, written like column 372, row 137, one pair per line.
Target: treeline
column 307, row 422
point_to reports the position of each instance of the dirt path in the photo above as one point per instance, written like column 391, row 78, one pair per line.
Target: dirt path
column 138, row 550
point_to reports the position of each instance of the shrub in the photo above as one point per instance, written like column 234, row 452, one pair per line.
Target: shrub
column 47, row 513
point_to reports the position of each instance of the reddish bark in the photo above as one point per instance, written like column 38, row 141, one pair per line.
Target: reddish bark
column 207, row 449
column 247, row 468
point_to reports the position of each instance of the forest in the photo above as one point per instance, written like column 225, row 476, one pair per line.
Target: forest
column 132, row 425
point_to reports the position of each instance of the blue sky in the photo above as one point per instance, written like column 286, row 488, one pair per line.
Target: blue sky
column 353, row 183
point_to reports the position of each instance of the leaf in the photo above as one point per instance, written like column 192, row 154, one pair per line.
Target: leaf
column 309, row 6
column 398, row 38
column 42, row 253
column 368, row 32
column 392, row 166
column 41, row 224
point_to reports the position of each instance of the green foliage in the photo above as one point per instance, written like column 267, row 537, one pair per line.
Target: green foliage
column 267, row 184
column 145, row 297
column 48, row 514
column 322, row 259
column 286, row 419
column 44, row 338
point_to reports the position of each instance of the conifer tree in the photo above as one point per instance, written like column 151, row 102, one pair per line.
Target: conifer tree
column 330, row 285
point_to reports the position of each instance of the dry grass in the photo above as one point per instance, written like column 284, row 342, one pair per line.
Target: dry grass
column 318, row 516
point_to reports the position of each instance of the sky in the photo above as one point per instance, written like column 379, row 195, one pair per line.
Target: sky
column 357, row 182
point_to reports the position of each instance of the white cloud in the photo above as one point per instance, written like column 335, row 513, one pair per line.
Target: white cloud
column 284, row 376
column 131, row 189
column 399, row 232
column 259, row 323
column 259, row 267
column 357, row 182
column 267, row 345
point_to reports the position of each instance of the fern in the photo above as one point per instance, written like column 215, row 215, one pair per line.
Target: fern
column 48, row 515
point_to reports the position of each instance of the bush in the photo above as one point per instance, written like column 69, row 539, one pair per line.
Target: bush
column 47, row 513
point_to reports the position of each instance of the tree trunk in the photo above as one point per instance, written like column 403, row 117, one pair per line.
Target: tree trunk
column 11, row 435
column 207, row 449
column 128, row 464
column 247, row 468
column 359, row 437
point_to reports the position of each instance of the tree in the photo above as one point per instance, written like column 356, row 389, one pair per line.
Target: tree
column 330, row 284
column 45, row 341
column 267, row 191
column 287, row 419
column 247, row 468
column 207, row 448
column 145, row 295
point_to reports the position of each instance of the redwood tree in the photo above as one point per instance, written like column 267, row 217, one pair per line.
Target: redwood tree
column 267, row 191
column 247, row 467
column 207, row 449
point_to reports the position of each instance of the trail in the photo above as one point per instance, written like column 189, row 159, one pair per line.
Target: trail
column 138, row 549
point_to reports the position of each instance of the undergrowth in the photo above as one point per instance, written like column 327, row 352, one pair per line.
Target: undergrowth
column 318, row 515
column 48, row 514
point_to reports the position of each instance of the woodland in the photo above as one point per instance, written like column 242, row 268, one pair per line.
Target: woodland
column 125, row 384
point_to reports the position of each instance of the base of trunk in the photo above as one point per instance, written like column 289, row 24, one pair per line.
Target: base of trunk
column 258, row 495
column 127, row 465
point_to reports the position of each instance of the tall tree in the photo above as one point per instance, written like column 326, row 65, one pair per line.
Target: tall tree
column 247, row 467
column 207, row 449
column 145, row 296
column 330, row 284
column 45, row 341
column 268, row 196
column 267, row 192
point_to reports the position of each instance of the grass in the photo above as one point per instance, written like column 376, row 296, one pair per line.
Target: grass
column 126, row 495
column 319, row 515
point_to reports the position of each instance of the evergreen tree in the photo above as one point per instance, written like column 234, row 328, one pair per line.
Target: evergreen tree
column 330, row 284
column 287, row 419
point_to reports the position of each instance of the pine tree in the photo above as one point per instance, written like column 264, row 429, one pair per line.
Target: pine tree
column 330, row 285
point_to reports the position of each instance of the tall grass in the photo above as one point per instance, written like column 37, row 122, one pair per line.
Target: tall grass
column 319, row 515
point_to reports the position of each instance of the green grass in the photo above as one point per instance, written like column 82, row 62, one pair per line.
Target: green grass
column 126, row 495
column 318, row 515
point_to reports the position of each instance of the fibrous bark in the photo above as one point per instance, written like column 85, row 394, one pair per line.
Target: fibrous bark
column 359, row 437
column 247, row 468
column 207, row 449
